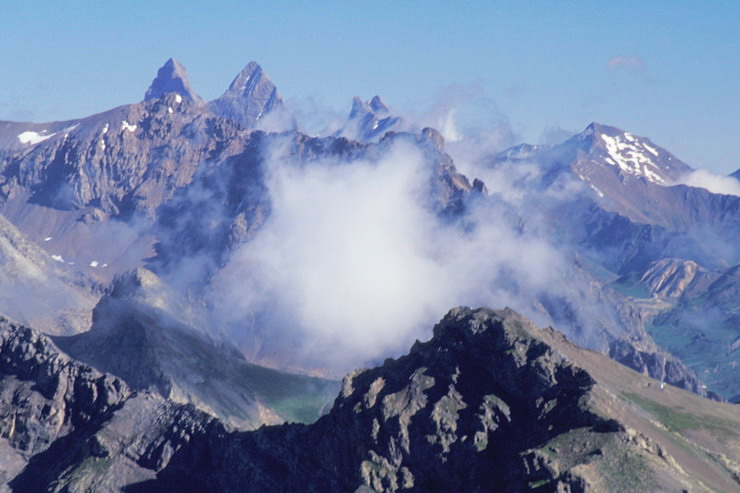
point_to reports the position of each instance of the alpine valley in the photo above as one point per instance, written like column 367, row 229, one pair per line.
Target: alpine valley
column 187, row 288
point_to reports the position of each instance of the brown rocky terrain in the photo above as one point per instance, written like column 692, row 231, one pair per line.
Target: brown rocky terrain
column 489, row 403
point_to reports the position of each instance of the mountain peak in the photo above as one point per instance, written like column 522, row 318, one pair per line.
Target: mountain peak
column 625, row 156
column 378, row 105
column 250, row 96
column 595, row 128
column 171, row 78
column 369, row 120
column 252, row 72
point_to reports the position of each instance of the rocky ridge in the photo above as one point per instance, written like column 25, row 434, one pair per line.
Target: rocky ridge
column 489, row 402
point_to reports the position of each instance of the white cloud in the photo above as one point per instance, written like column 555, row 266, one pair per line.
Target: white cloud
column 351, row 266
column 627, row 63
column 714, row 183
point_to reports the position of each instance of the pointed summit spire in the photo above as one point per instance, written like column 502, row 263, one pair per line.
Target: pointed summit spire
column 251, row 73
column 379, row 107
column 171, row 78
column 249, row 98
column 368, row 121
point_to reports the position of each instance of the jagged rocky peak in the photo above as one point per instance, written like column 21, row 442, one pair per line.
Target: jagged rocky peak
column 369, row 120
column 249, row 78
column 434, row 137
column 376, row 106
column 490, row 403
column 250, row 97
column 172, row 78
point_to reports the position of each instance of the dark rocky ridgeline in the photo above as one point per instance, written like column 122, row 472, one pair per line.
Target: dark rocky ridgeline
column 47, row 402
column 491, row 403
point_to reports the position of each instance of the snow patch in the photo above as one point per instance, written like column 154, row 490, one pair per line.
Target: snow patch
column 94, row 263
column 69, row 129
column 178, row 98
column 105, row 128
column 127, row 126
column 655, row 152
column 628, row 154
column 58, row 258
column 33, row 138
column 48, row 238
column 170, row 110
column 601, row 194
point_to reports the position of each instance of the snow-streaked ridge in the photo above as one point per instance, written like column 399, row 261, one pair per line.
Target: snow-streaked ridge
column 31, row 137
column 628, row 153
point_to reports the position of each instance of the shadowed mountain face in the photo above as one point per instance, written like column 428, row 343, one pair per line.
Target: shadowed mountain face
column 145, row 333
column 172, row 78
column 490, row 402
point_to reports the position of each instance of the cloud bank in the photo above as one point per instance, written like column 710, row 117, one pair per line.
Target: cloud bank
column 714, row 183
column 352, row 267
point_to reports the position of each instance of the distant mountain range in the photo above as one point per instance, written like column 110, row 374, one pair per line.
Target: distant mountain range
column 115, row 230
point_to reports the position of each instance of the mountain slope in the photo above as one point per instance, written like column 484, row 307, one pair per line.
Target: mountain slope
column 250, row 99
column 491, row 402
column 37, row 288
column 149, row 336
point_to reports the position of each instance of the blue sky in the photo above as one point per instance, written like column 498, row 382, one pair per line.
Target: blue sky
column 668, row 70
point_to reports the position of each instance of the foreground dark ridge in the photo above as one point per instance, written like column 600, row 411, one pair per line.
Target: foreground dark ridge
column 489, row 403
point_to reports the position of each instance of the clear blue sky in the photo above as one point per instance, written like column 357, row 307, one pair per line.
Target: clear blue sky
column 669, row 70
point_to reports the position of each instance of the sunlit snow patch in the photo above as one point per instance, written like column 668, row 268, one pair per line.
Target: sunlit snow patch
column 127, row 126
column 58, row 258
column 69, row 129
column 48, row 238
column 628, row 154
column 178, row 98
column 94, row 263
column 32, row 138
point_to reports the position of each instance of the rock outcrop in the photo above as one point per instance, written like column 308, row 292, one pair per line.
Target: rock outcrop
column 489, row 403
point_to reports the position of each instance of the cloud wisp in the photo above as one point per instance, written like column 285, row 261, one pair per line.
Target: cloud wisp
column 629, row 63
